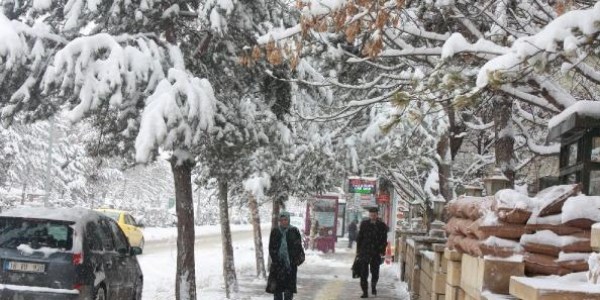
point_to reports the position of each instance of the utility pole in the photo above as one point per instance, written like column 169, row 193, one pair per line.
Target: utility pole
column 49, row 161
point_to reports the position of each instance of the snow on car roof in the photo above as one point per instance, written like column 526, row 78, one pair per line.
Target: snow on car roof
column 76, row 215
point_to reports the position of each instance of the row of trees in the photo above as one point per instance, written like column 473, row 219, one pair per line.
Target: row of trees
column 458, row 85
column 134, row 72
column 426, row 93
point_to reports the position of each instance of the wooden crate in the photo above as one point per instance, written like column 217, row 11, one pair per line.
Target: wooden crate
column 424, row 291
column 426, row 283
column 454, row 293
column 538, row 289
column 452, row 255
column 438, row 297
column 438, row 283
column 479, row 274
column 453, row 273
column 596, row 239
column 427, row 262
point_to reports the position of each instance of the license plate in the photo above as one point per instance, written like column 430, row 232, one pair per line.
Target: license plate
column 24, row 267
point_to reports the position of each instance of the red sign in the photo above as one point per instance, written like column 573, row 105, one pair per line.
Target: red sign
column 383, row 198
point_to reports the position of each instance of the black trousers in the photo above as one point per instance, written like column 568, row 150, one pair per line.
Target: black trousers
column 284, row 296
column 372, row 264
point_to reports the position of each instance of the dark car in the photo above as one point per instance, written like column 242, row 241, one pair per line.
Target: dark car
column 66, row 253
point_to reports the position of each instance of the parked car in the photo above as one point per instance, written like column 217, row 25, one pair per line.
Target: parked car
column 128, row 224
column 66, row 253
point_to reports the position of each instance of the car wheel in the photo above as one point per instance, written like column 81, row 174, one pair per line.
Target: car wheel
column 142, row 242
column 100, row 294
column 139, row 286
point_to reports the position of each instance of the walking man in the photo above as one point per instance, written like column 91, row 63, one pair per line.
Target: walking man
column 352, row 230
column 286, row 252
column 370, row 247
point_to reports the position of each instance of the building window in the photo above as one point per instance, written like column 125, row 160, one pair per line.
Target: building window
column 572, row 156
column 595, row 155
column 595, row 183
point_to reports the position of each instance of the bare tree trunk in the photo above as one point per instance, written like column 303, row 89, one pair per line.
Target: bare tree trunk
column 258, row 245
column 23, row 193
column 228, row 261
column 505, row 139
column 185, row 281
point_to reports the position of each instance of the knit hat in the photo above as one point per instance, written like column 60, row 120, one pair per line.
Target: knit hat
column 284, row 214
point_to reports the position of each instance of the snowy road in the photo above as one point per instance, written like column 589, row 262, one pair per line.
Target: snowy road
column 160, row 256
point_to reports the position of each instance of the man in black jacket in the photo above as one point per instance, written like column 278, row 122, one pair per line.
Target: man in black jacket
column 370, row 247
column 286, row 252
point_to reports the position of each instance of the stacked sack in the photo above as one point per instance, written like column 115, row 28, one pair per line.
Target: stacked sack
column 512, row 223
column 481, row 226
column 558, row 233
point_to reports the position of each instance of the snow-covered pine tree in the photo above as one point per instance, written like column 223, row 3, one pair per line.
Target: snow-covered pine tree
column 246, row 107
column 112, row 60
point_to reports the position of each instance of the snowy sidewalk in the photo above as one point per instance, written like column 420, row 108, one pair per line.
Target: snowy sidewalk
column 328, row 277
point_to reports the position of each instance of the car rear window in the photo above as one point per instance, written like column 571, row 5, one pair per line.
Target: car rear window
column 35, row 233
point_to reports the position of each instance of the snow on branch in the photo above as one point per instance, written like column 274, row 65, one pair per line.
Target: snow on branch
column 457, row 44
column 535, row 148
column 98, row 68
column 279, row 33
column 479, row 127
column 257, row 184
column 177, row 114
column 530, row 49
column 13, row 48
column 529, row 98
column 584, row 69
column 555, row 92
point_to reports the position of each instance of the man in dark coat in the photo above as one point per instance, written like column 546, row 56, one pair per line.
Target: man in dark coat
column 370, row 247
column 286, row 252
column 352, row 230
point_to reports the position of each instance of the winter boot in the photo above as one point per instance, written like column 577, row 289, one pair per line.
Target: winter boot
column 374, row 288
column 365, row 288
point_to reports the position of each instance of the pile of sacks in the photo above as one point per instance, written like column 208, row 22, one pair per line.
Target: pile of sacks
column 551, row 230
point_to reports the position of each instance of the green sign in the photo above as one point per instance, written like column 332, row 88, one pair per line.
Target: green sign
column 362, row 186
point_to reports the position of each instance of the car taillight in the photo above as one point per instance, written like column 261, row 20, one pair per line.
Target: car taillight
column 77, row 258
column 78, row 286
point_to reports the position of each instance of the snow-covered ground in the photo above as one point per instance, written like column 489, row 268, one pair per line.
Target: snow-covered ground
column 159, row 262
column 167, row 234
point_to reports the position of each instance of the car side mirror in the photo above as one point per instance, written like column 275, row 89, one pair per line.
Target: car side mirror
column 136, row 250
column 140, row 225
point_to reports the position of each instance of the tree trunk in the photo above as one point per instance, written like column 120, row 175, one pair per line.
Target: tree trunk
column 505, row 140
column 23, row 193
column 185, row 281
column 258, row 245
column 444, row 166
column 228, row 261
column 275, row 213
column 274, row 219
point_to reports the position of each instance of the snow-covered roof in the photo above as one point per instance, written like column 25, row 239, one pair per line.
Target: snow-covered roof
column 76, row 215
column 567, row 120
